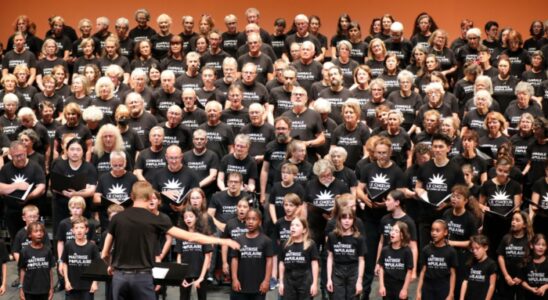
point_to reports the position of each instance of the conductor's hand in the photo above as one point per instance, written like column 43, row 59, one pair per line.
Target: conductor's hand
column 231, row 243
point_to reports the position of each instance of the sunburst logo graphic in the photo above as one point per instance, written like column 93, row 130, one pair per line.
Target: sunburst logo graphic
column 172, row 184
column 544, row 202
column 380, row 178
column 437, row 179
column 500, row 196
column 19, row 178
column 117, row 189
column 325, row 195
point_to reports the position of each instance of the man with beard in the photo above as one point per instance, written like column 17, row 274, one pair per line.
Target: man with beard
column 203, row 161
column 336, row 94
column 165, row 97
column 153, row 158
column 140, row 120
column 261, row 60
column 230, row 75
column 114, row 186
column 306, row 123
column 220, row 138
column 215, row 56
column 175, row 132
column 15, row 179
column 174, row 180
column 191, row 78
column 193, row 116
column 280, row 97
column 308, row 70
column 274, row 154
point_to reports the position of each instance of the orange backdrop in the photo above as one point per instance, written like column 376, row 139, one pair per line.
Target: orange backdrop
column 447, row 14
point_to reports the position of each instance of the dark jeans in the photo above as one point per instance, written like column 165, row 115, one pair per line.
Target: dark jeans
column 344, row 279
column 242, row 296
column 372, row 237
column 79, row 295
column 127, row 286
column 297, row 285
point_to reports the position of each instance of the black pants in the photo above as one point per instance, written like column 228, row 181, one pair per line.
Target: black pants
column 435, row 289
column 506, row 292
column 297, row 285
column 36, row 297
column 243, row 296
column 184, row 293
column 127, row 286
column 344, row 279
column 14, row 221
column 372, row 236
column 393, row 289
column 79, row 295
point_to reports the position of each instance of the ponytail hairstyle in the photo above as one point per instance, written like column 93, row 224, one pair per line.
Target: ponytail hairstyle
column 346, row 212
column 306, row 234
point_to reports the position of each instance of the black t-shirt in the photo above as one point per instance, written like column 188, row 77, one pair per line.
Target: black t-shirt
column 513, row 113
column 178, row 135
column 108, row 107
column 438, row 261
column 21, row 240
column 136, row 228
column 116, row 189
column 537, row 155
column 536, row 275
column 219, row 137
column 347, row 175
column 252, row 261
column 80, row 130
column 236, row 119
column 247, row 167
column 225, row 205
column 45, row 66
column 351, row 141
column 346, row 249
column 64, row 231
column 376, row 66
column 278, row 44
column 161, row 101
column 193, row 255
column 493, row 143
column 102, row 164
column 142, row 126
column 234, row 228
column 37, row 264
column 369, row 112
column 395, row 264
column 379, row 182
column 182, row 181
column 504, row 91
column 388, row 221
column 275, row 156
column 541, row 187
column 9, row 126
column 78, row 258
column 185, row 81
column 336, row 99
column 160, row 45
column 55, row 99
column 401, row 144
column 82, row 62
column 407, row 105
column 500, row 198
column 132, row 143
column 32, row 173
column 230, row 43
column 305, row 126
column 281, row 233
column 347, row 71
column 278, row 192
column 307, row 74
column 478, row 277
column 259, row 136
column 120, row 60
column 520, row 144
column 514, row 252
column 150, row 162
column 13, row 59
column 193, row 119
column 254, row 93
column 462, row 227
column 201, row 164
column 295, row 257
column 177, row 66
column 281, row 100
column 263, row 63
column 518, row 60
column 438, row 181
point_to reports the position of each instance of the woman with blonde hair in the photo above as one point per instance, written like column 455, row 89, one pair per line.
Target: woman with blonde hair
column 108, row 139
column 106, row 100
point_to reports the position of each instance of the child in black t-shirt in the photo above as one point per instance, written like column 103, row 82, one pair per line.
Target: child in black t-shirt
column 36, row 265
column 513, row 252
column 31, row 214
column 196, row 256
column 78, row 254
column 481, row 272
column 234, row 228
column 298, row 264
column 396, row 264
column 4, row 258
column 438, row 261
column 291, row 204
column 251, row 266
column 346, row 257
column 535, row 282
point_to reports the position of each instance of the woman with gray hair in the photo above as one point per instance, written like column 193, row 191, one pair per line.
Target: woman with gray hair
column 29, row 138
column 475, row 118
column 482, row 82
column 106, row 101
column 319, row 199
column 522, row 139
column 402, row 146
column 406, row 100
column 345, row 62
column 93, row 117
column 434, row 94
column 523, row 104
column 337, row 156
